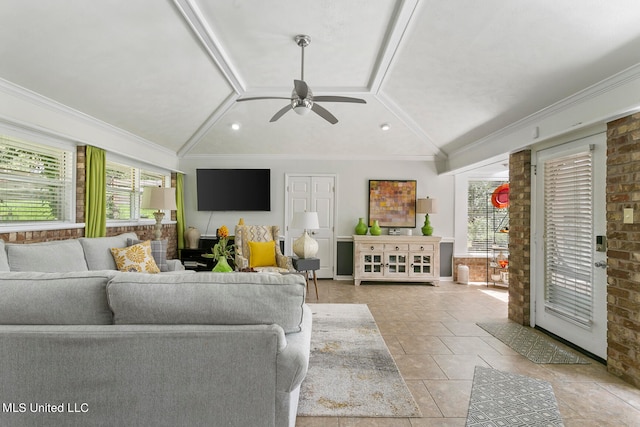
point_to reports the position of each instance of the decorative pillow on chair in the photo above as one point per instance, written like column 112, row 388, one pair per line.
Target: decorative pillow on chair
column 262, row 254
column 136, row 258
column 158, row 251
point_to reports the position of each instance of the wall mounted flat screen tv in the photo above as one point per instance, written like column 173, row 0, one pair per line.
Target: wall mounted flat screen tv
column 234, row 189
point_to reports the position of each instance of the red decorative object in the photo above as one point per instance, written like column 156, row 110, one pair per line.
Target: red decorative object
column 500, row 196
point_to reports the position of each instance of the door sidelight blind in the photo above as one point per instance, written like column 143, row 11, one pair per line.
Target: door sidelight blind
column 568, row 237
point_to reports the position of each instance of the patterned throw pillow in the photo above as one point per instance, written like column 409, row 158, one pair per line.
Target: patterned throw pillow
column 136, row 258
column 158, row 251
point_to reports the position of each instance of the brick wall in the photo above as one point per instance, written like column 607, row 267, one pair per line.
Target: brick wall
column 623, row 254
column 477, row 268
column 519, row 236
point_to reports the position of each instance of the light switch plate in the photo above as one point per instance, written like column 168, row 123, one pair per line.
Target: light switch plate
column 627, row 216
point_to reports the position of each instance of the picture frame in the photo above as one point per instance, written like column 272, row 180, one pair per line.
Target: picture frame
column 392, row 203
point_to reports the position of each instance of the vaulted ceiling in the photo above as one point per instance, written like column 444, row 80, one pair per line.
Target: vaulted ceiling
column 441, row 74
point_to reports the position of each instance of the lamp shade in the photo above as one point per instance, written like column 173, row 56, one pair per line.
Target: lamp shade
column 159, row 198
column 427, row 206
column 305, row 220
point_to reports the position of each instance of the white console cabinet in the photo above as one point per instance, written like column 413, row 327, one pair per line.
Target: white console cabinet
column 396, row 258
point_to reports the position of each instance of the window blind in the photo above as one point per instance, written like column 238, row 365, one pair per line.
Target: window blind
column 121, row 191
column 36, row 182
column 125, row 185
column 568, row 236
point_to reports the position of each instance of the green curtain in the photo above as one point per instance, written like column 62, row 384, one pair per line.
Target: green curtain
column 95, row 201
column 180, row 211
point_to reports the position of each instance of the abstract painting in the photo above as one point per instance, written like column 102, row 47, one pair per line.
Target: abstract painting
column 392, row 203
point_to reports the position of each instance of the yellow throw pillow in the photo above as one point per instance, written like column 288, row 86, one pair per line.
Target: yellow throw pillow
column 136, row 258
column 262, row 254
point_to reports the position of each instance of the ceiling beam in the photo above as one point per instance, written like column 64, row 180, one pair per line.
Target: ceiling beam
column 201, row 29
column 410, row 124
column 395, row 33
column 208, row 124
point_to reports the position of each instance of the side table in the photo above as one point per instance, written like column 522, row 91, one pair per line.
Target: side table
column 305, row 265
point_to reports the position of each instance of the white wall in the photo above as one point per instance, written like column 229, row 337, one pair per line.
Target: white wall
column 352, row 190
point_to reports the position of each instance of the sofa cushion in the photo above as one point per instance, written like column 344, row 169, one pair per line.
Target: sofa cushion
column 262, row 254
column 97, row 250
column 48, row 257
column 208, row 299
column 4, row 262
column 77, row 298
column 158, row 251
column 136, row 258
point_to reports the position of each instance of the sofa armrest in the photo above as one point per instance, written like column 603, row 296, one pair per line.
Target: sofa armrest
column 241, row 262
column 296, row 354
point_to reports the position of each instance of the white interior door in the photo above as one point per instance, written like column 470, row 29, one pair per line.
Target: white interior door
column 313, row 193
column 569, row 274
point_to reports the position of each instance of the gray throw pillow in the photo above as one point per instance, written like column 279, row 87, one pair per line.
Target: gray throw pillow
column 4, row 261
column 158, row 251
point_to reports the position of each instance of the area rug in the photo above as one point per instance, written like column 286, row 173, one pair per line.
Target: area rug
column 534, row 345
column 351, row 372
column 505, row 399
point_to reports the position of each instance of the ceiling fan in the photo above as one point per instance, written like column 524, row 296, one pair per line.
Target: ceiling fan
column 302, row 100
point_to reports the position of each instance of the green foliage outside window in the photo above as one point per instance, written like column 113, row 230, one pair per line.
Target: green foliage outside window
column 484, row 220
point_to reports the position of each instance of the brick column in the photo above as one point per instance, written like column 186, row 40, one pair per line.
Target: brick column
column 520, row 236
column 623, row 254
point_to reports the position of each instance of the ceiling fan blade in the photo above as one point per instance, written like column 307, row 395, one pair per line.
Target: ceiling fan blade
column 322, row 112
column 280, row 113
column 339, row 99
column 261, row 97
column 301, row 88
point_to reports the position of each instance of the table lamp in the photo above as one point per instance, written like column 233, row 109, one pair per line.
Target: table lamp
column 305, row 246
column 427, row 206
column 158, row 198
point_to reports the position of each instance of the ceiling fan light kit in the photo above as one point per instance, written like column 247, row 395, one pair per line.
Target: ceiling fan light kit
column 302, row 100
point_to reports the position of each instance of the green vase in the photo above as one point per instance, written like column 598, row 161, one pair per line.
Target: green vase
column 427, row 229
column 361, row 227
column 375, row 228
column 222, row 266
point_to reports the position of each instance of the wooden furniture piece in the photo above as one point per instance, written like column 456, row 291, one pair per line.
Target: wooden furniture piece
column 396, row 259
column 305, row 265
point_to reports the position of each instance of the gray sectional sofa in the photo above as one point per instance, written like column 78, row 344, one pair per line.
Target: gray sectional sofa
column 98, row 347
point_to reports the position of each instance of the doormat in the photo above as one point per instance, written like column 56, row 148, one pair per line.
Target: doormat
column 351, row 372
column 505, row 399
column 534, row 345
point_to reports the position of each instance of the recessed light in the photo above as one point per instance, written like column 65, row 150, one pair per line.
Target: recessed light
column 235, row 126
column 385, row 126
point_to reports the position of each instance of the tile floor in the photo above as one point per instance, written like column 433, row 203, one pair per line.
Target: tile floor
column 432, row 334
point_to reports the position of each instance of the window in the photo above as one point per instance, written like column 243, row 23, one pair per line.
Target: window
column 124, row 191
column 486, row 223
column 36, row 183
